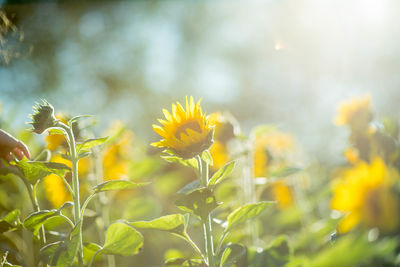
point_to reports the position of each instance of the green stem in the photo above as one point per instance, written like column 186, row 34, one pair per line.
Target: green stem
column 94, row 257
column 196, row 248
column 207, row 227
column 75, row 185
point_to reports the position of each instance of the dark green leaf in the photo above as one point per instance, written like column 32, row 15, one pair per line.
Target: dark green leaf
column 231, row 254
column 199, row 202
column 47, row 252
column 246, row 212
column 10, row 222
column 36, row 170
column 189, row 188
column 66, row 252
column 122, row 239
column 90, row 143
column 89, row 250
column 193, row 263
column 34, row 221
column 206, row 156
column 221, row 173
column 117, row 185
column 174, row 223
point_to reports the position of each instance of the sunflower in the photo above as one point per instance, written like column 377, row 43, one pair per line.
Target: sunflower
column 55, row 189
column 186, row 133
column 355, row 113
column 365, row 194
column 219, row 153
column 283, row 194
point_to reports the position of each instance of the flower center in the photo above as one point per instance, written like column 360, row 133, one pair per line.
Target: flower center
column 193, row 125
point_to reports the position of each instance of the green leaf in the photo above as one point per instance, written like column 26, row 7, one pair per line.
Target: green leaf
column 47, row 252
column 194, row 263
column 221, row 174
column 90, row 143
column 10, row 222
column 76, row 118
column 284, row 172
column 206, row 156
column 66, row 252
column 36, row 170
column 185, row 162
column 190, row 187
column 232, row 254
column 89, row 250
column 35, row 220
column 199, row 202
column 174, row 262
column 122, row 239
column 84, row 153
column 174, row 223
column 277, row 254
column 246, row 212
column 117, row 185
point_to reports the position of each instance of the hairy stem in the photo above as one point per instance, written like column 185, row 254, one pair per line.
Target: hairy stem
column 207, row 227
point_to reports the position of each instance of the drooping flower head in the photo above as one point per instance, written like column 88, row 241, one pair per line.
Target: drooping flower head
column 185, row 132
column 43, row 117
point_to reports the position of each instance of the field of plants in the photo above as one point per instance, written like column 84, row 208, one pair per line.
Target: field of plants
column 204, row 194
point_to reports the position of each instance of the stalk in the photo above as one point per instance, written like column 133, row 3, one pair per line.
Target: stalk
column 75, row 186
column 249, row 189
column 207, row 227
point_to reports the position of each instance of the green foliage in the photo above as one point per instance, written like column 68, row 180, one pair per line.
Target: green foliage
column 90, row 143
column 34, row 171
column 231, row 254
column 122, row 239
column 117, row 185
column 206, row 156
column 221, row 174
column 245, row 213
column 200, row 202
column 185, row 162
column 174, row 223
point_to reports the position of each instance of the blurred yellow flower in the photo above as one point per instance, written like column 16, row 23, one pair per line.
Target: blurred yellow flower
column 187, row 133
column 116, row 157
column 364, row 193
column 55, row 189
column 219, row 153
column 282, row 194
column 356, row 113
column 260, row 161
column 352, row 155
column 54, row 141
column 224, row 126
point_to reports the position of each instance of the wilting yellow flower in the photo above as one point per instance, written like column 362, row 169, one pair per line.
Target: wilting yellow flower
column 116, row 158
column 219, row 154
column 282, row 194
column 364, row 193
column 55, row 189
column 187, row 133
column 356, row 113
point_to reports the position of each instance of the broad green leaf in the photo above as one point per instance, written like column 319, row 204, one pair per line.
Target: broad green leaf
column 246, row 212
column 76, row 118
column 232, row 254
column 189, row 188
column 36, row 170
column 34, row 221
column 122, row 239
column 47, row 252
column 174, row 223
column 221, row 174
column 185, row 162
column 66, row 252
column 55, row 131
column 277, row 254
column 174, row 262
column 90, row 143
column 84, row 153
column 89, row 250
column 284, row 172
column 193, row 263
column 10, row 222
column 117, row 185
column 199, row 202
column 206, row 156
